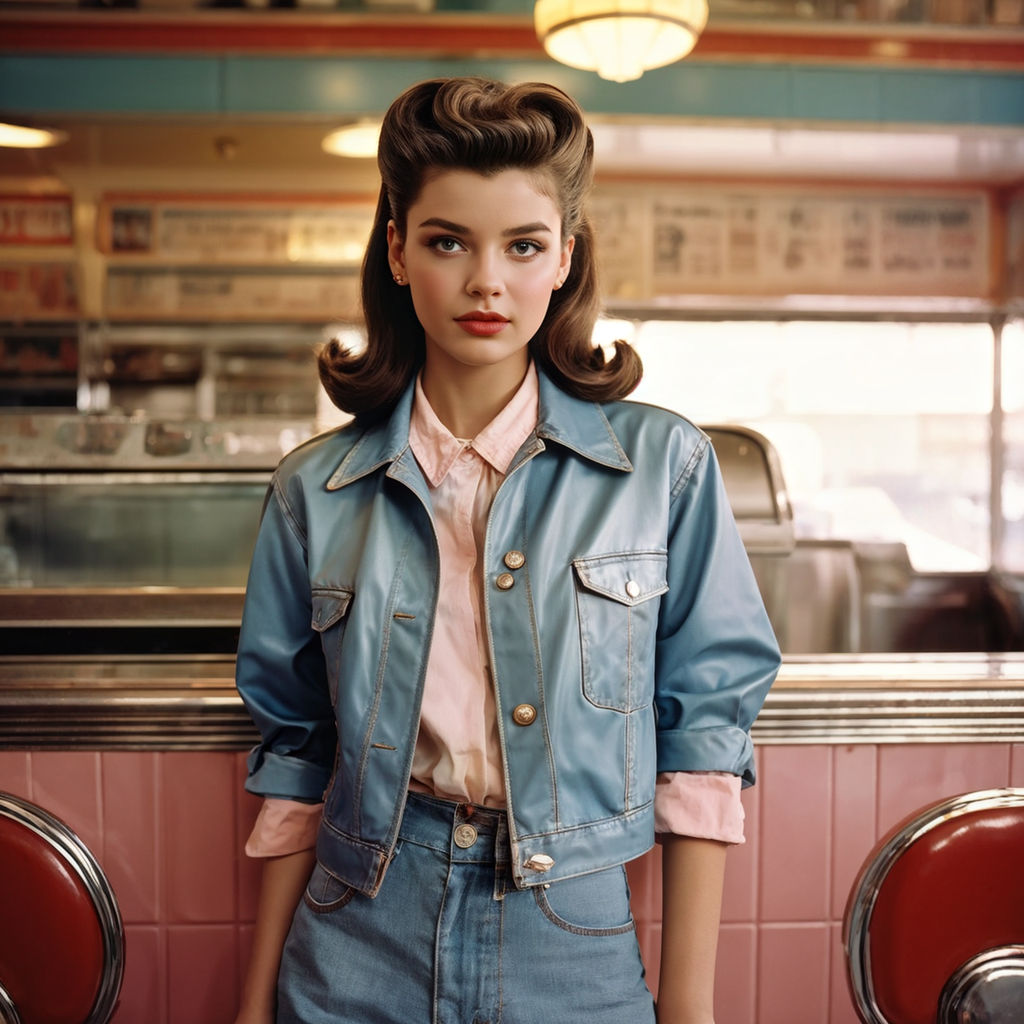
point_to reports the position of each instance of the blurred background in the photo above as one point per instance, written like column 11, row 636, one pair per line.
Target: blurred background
column 812, row 226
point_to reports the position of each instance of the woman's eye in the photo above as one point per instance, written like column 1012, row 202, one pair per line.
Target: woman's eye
column 445, row 244
column 525, row 247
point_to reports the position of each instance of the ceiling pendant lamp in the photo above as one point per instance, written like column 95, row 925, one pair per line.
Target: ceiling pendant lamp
column 619, row 39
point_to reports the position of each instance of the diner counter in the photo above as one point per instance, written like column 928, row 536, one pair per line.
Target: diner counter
column 174, row 702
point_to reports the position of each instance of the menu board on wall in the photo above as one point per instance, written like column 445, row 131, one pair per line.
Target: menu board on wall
column 45, row 291
column 621, row 227
column 35, row 220
column 139, row 294
column 236, row 232
column 701, row 241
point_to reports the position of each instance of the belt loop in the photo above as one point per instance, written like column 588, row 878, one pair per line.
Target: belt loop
column 500, row 881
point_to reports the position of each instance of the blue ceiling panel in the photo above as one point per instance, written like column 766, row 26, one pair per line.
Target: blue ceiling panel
column 869, row 94
column 110, row 85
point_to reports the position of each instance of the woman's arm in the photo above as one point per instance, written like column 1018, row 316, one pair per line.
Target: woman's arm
column 692, row 876
column 284, row 879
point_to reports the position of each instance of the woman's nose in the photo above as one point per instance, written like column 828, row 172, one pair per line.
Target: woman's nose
column 484, row 278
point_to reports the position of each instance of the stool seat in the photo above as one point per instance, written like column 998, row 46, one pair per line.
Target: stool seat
column 935, row 921
column 62, row 941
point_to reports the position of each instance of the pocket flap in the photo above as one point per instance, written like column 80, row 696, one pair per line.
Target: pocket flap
column 328, row 607
column 627, row 577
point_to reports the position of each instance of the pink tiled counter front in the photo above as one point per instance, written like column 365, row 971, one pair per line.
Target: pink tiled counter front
column 168, row 829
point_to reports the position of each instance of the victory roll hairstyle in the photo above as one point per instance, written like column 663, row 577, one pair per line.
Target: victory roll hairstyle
column 487, row 127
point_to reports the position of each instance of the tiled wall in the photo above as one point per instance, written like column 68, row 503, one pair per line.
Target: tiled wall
column 168, row 828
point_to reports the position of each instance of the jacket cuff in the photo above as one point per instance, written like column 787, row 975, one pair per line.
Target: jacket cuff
column 288, row 777
column 723, row 749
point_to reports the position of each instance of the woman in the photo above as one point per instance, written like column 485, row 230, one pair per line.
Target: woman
column 500, row 631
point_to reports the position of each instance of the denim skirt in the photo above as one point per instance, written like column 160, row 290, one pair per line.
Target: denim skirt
column 450, row 940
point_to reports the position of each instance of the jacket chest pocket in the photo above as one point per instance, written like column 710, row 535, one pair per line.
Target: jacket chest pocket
column 330, row 613
column 618, row 620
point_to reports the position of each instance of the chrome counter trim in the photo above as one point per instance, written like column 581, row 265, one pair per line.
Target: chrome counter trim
column 190, row 703
column 892, row 715
column 42, row 608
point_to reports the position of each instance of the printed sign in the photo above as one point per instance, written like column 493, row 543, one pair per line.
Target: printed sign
column 238, row 233
column 704, row 242
column 36, row 220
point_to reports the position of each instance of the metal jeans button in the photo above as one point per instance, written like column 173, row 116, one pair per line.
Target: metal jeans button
column 465, row 836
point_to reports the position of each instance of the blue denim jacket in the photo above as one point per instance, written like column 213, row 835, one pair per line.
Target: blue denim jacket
column 625, row 629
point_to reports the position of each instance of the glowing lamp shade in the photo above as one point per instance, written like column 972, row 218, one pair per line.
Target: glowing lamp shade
column 355, row 140
column 19, row 136
column 619, row 39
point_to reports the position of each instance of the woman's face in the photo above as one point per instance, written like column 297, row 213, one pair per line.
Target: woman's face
column 481, row 256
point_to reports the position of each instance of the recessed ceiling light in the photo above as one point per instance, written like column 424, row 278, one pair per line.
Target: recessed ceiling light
column 19, row 136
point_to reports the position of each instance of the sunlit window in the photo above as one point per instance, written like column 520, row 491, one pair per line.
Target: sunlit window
column 882, row 428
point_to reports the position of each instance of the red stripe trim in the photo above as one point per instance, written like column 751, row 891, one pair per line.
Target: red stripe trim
column 477, row 35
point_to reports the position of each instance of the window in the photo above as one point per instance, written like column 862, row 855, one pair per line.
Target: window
column 1013, row 447
column 883, row 429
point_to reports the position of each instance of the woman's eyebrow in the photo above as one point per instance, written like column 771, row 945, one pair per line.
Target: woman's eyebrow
column 445, row 225
column 460, row 229
column 528, row 229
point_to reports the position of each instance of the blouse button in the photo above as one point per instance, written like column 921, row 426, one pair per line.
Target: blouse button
column 505, row 581
column 524, row 714
column 515, row 559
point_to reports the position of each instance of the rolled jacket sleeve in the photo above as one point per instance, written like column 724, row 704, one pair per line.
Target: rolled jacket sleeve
column 280, row 671
column 716, row 653
column 705, row 805
column 283, row 827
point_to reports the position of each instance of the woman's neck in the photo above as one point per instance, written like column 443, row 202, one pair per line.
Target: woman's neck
column 466, row 398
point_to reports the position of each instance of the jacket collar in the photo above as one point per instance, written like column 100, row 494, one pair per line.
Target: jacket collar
column 578, row 425
column 573, row 423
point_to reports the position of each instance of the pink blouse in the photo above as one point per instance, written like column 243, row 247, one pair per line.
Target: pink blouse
column 457, row 755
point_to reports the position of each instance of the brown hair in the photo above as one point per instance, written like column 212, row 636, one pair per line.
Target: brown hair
column 487, row 127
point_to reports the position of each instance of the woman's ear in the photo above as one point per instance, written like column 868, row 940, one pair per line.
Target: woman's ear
column 565, row 263
column 396, row 253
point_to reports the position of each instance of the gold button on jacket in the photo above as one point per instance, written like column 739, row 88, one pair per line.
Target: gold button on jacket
column 524, row 714
column 515, row 559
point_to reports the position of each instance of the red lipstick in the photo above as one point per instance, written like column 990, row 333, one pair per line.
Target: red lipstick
column 481, row 324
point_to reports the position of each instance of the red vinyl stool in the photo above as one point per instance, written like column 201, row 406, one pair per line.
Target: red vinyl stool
column 61, row 939
column 934, row 926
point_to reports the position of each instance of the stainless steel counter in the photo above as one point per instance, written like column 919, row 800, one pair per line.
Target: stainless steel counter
column 189, row 702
